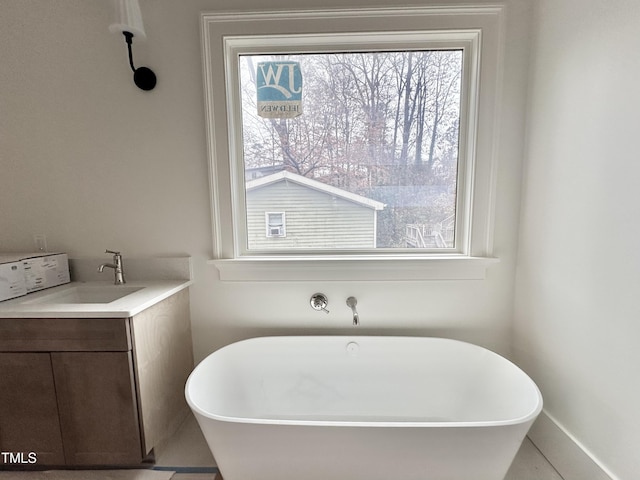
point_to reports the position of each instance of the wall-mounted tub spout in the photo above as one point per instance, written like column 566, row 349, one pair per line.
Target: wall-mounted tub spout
column 351, row 303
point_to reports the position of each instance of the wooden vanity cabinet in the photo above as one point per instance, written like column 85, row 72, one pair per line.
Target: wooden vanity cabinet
column 28, row 407
column 97, row 407
column 94, row 391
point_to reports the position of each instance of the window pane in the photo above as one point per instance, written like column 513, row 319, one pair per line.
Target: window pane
column 360, row 149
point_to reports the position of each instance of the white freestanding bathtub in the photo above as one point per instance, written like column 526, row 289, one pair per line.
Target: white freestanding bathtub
column 361, row 408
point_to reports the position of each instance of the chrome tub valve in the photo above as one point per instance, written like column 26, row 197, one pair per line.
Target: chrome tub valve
column 319, row 302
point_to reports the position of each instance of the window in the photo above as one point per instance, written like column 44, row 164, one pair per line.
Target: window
column 381, row 125
column 275, row 224
column 377, row 142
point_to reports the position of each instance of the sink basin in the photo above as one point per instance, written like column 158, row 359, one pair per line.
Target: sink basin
column 86, row 294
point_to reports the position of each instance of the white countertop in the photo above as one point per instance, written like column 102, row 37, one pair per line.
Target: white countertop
column 37, row 304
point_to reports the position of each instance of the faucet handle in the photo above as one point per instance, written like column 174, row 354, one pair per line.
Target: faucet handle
column 319, row 302
column 111, row 251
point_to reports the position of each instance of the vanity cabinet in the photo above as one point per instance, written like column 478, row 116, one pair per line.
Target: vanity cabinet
column 94, row 391
column 28, row 407
column 97, row 407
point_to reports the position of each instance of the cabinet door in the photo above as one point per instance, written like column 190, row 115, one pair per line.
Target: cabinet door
column 28, row 408
column 97, row 404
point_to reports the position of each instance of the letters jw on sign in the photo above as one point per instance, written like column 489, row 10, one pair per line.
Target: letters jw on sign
column 279, row 89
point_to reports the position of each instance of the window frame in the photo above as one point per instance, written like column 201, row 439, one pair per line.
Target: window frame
column 236, row 47
column 225, row 36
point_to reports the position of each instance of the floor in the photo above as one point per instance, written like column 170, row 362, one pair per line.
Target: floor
column 188, row 454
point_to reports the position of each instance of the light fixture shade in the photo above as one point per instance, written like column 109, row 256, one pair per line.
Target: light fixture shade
column 128, row 18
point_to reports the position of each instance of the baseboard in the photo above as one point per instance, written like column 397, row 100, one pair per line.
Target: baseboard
column 564, row 452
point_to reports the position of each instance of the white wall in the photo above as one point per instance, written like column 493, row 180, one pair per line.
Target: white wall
column 577, row 324
column 94, row 163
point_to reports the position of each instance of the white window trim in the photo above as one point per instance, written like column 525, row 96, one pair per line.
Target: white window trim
column 221, row 31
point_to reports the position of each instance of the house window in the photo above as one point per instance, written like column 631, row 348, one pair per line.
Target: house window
column 380, row 127
column 275, row 224
column 378, row 140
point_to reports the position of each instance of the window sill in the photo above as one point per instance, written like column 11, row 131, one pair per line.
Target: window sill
column 360, row 268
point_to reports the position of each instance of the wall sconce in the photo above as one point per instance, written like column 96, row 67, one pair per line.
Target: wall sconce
column 129, row 23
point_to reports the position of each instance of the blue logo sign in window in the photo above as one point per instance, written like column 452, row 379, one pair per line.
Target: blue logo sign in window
column 279, row 89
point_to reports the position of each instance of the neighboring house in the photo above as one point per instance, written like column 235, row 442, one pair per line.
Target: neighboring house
column 259, row 172
column 286, row 210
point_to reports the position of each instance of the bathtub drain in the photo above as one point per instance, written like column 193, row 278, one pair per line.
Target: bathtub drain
column 352, row 348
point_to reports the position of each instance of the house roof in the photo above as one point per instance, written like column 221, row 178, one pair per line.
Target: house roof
column 313, row 184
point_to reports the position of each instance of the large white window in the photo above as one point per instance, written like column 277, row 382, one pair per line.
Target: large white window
column 384, row 125
column 377, row 141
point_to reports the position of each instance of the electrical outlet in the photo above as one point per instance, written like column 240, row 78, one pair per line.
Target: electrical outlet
column 40, row 241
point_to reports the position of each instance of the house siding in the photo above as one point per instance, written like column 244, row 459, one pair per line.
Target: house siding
column 314, row 219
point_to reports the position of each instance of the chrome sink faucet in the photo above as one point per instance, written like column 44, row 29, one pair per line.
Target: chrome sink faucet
column 118, row 268
column 352, row 302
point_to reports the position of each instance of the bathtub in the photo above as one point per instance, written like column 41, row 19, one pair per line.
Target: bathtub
column 361, row 408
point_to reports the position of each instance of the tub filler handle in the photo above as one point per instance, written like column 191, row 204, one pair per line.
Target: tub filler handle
column 319, row 302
